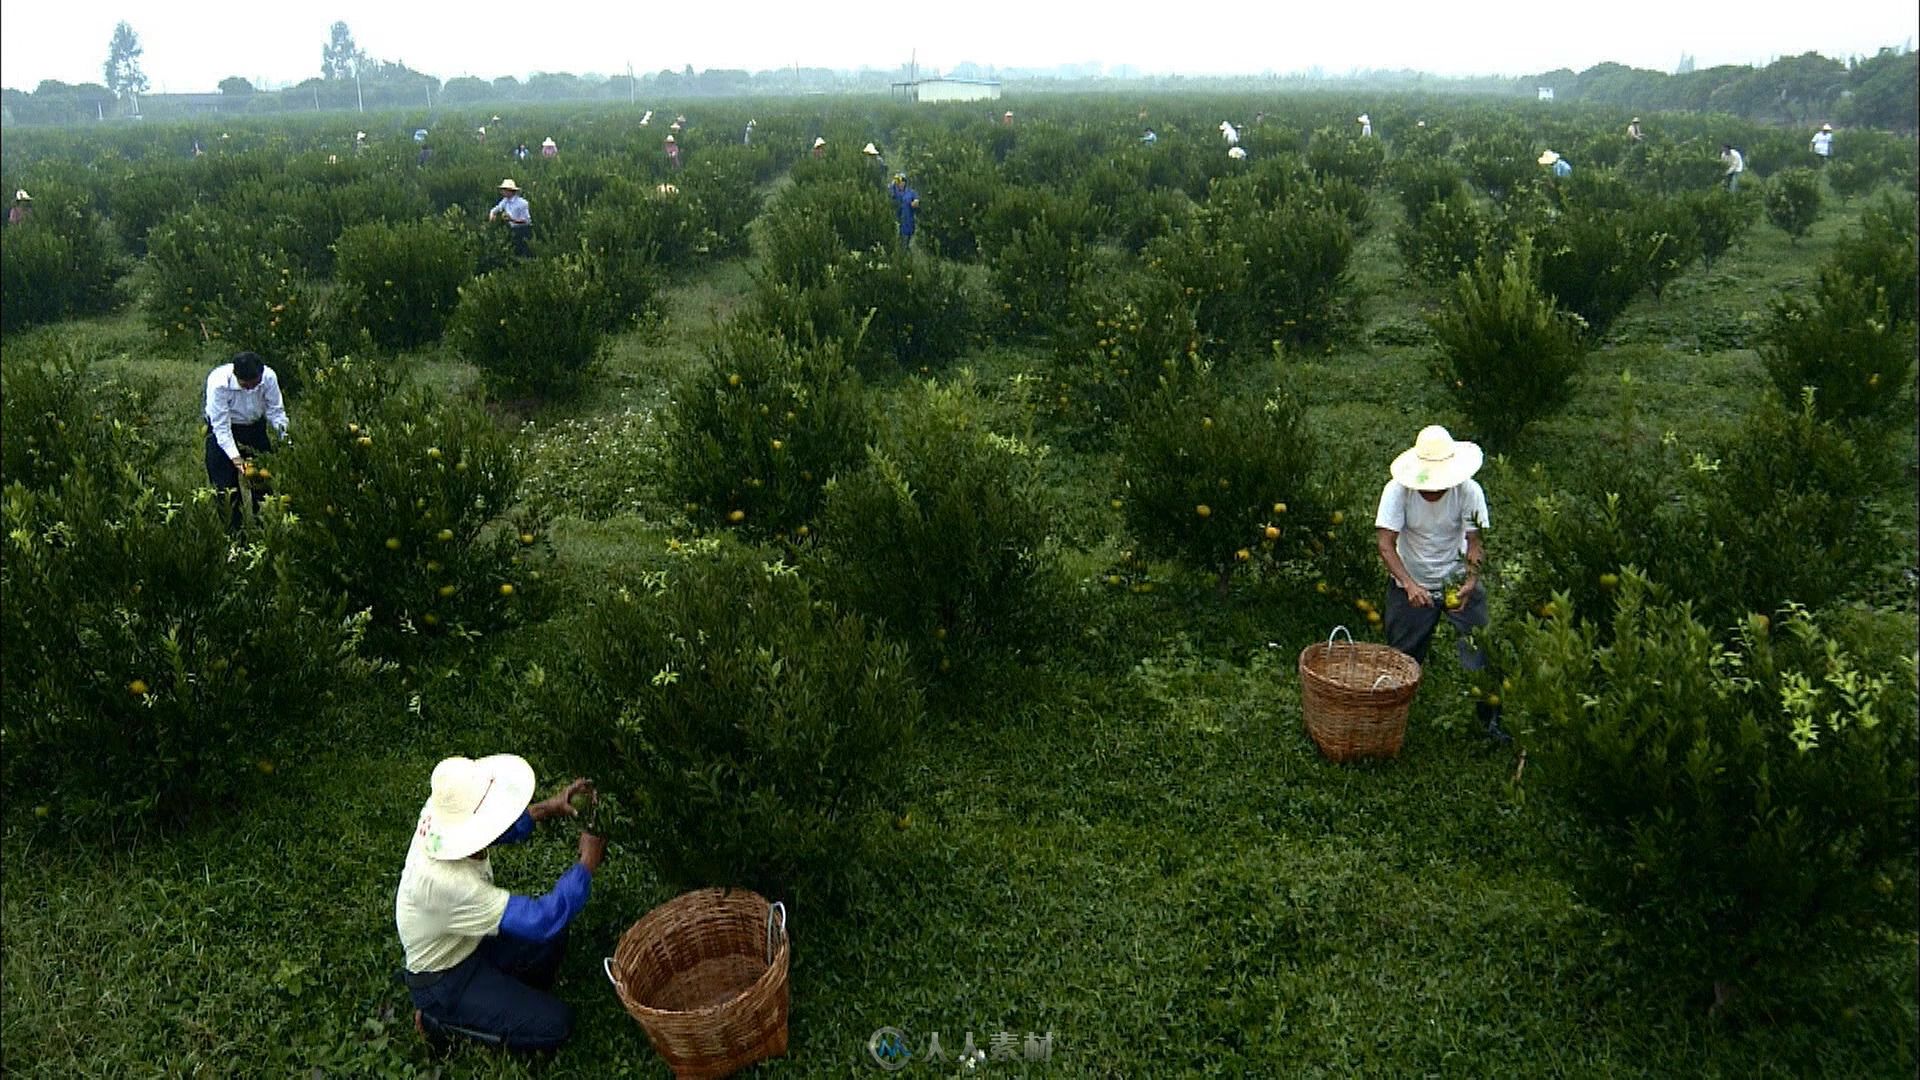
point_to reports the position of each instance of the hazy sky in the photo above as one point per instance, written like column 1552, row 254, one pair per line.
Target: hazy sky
column 192, row 44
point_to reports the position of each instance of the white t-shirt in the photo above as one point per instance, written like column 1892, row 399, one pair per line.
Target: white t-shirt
column 445, row 906
column 1433, row 535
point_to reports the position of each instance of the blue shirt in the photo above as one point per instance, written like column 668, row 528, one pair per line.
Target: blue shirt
column 1561, row 168
column 904, row 199
column 540, row 919
column 516, row 209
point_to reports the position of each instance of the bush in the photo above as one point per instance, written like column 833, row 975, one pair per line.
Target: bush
column 1126, row 337
column 1721, row 218
column 1667, row 237
column 214, row 277
column 401, row 283
column 889, row 307
column 1214, row 482
column 1844, row 343
column 149, row 662
column 143, row 198
column 1421, row 182
column 760, row 428
column 1499, row 164
column 622, row 252
column 1037, row 272
column 1508, row 355
column 1446, row 239
column 1792, row 201
column 401, row 509
column 809, row 228
column 1593, row 263
column 967, row 185
column 1332, row 154
column 754, row 729
column 721, row 184
column 944, row 537
column 62, row 418
column 58, row 264
column 1747, row 804
column 1881, row 253
column 537, row 328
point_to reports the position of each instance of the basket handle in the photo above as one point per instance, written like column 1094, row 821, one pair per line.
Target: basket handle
column 1338, row 630
column 772, row 909
column 1384, row 676
column 606, row 965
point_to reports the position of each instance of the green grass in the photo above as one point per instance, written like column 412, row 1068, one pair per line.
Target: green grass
column 1136, row 848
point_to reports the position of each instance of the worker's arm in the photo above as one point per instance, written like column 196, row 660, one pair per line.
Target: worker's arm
column 541, row 920
column 519, row 831
column 220, row 420
column 1474, row 554
column 1388, row 543
column 276, row 405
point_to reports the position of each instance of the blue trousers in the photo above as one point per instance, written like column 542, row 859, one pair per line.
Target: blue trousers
column 498, row 996
column 1410, row 629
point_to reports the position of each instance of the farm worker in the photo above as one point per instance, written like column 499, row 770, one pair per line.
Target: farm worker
column 549, row 148
column 819, row 146
column 480, row 960
column 513, row 206
column 22, row 207
column 419, row 135
column 1366, row 125
column 1633, row 130
column 359, row 142
column 480, row 133
column 1149, row 138
column 1822, row 144
column 243, row 400
column 1431, row 513
column 1227, row 133
column 520, row 152
column 1736, row 164
column 1556, row 163
column 747, row 140
column 1006, row 118
column 647, row 119
column 673, row 152
column 1237, row 153
column 906, row 204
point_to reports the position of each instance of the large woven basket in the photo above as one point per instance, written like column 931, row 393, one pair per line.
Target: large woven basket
column 705, row 974
column 1355, row 696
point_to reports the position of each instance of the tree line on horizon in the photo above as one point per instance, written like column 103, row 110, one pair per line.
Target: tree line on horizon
column 1880, row 91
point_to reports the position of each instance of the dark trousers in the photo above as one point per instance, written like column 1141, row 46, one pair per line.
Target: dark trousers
column 498, row 996
column 522, row 236
column 1410, row 629
column 224, row 478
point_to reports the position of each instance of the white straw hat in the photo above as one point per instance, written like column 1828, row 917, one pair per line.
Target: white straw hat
column 1548, row 157
column 818, row 142
column 1826, row 127
column 509, row 185
column 473, row 802
column 870, row 149
column 1436, row 461
column 548, row 141
column 21, row 195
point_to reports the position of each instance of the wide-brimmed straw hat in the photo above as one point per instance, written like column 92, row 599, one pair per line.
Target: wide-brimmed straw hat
column 818, row 142
column 1436, row 462
column 21, row 195
column 870, row 149
column 1635, row 120
column 1548, row 157
column 1826, row 127
column 548, row 141
column 509, row 185
column 473, row 803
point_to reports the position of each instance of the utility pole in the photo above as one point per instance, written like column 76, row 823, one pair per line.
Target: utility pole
column 632, row 93
column 429, row 97
column 356, row 89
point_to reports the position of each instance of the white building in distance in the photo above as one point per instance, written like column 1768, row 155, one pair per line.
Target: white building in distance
column 931, row 90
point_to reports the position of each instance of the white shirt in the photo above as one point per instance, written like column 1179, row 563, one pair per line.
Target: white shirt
column 228, row 404
column 1433, row 535
column 1232, row 136
column 1735, row 163
column 1822, row 143
column 515, row 207
column 445, row 906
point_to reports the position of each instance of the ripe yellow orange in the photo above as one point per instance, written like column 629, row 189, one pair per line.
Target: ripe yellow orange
column 1338, row 517
column 1243, row 555
column 364, row 441
column 801, row 532
column 138, row 687
column 433, row 452
column 1206, row 421
column 264, row 766
column 1373, row 618
column 1279, row 508
column 1273, row 532
column 939, row 633
column 733, row 380
column 430, row 619
column 42, row 810
column 1203, row 510
column 1609, row 581
column 1114, row 579
column 736, row 516
column 446, row 590
column 393, row 543
column 1322, row 588
column 506, row 589
column 777, row 444
column 445, row 535
column 526, row 538
column 1116, row 504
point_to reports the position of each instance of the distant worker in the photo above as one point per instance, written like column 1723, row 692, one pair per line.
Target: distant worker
column 480, row 134
column 519, row 216
column 419, row 135
column 549, row 148
column 819, row 146
column 1736, row 164
column 520, row 152
column 647, row 119
column 22, row 207
column 876, row 164
column 673, row 153
column 425, row 155
column 747, row 139
column 1149, row 138
column 1366, row 125
column 1633, row 130
column 1006, row 118
column 906, row 204
column 1822, row 144
column 1557, row 164
column 1229, row 134
column 1237, row 153
column 359, row 142
column 243, row 400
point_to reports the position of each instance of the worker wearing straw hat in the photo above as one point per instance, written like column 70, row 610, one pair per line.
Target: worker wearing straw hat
column 1428, row 533
column 673, row 152
column 480, row 960
column 1228, row 133
column 519, row 216
column 1822, row 144
column 1633, row 130
column 819, row 145
column 22, row 207
column 1366, row 125
column 1557, row 164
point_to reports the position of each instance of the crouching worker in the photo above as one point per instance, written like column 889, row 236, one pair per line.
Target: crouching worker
column 480, row 960
column 243, row 401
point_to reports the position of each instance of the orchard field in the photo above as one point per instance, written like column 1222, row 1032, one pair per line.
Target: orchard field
column 952, row 594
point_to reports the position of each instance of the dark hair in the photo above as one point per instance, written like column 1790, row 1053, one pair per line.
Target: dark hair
column 248, row 366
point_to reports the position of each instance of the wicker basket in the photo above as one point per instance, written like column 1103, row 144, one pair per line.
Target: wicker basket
column 1355, row 697
column 705, row 974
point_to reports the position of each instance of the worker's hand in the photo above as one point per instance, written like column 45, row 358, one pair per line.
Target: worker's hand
column 239, row 464
column 1466, row 589
column 560, row 803
column 592, row 850
column 1418, row 596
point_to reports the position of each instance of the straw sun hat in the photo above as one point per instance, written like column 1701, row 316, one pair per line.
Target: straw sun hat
column 1548, row 157
column 509, row 185
column 818, row 142
column 473, row 802
column 1826, row 127
column 1436, row 461
column 870, row 149
column 21, row 195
